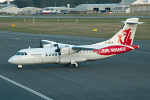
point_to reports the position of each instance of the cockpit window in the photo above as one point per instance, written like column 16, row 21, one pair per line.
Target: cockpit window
column 21, row 53
column 18, row 53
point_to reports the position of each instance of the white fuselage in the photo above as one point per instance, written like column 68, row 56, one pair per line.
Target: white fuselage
column 48, row 56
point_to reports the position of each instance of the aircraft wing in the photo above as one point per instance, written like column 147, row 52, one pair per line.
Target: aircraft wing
column 48, row 42
column 55, row 43
column 61, row 45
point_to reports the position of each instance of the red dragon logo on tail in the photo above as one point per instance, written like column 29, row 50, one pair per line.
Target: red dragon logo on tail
column 127, row 35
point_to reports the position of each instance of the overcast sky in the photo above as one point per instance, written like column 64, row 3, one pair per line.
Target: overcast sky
column 4, row 0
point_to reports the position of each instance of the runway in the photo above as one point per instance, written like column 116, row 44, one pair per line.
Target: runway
column 122, row 77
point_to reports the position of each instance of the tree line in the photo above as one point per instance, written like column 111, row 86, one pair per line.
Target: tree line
column 59, row 3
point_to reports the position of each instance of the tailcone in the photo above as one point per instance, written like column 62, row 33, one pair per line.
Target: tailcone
column 135, row 46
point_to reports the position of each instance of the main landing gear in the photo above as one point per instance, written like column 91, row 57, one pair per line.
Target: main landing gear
column 19, row 66
column 74, row 65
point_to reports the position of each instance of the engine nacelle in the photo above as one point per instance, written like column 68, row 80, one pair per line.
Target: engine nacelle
column 67, row 51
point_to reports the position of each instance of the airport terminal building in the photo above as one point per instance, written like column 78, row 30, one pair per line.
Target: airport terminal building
column 30, row 10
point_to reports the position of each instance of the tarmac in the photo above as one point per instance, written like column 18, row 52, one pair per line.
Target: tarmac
column 122, row 77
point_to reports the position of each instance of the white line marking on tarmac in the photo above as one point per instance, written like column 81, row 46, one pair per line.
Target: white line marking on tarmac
column 17, row 38
column 143, row 52
column 26, row 88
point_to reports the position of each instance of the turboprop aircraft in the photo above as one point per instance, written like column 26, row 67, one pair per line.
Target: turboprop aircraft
column 59, row 53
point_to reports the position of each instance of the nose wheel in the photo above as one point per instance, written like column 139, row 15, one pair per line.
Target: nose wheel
column 19, row 66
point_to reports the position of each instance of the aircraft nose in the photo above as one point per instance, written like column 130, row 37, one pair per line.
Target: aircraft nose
column 11, row 60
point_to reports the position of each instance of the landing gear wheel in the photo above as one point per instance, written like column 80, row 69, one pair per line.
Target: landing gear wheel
column 75, row 65
column 19, row 66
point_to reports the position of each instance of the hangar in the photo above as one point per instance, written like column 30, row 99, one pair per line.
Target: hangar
column 96, row 7
column 140, row 6
column 30, row 10
column 48, row 10
column 10, row 10
column 132, row 6
column 126, row 6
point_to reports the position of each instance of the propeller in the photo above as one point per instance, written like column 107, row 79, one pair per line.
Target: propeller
column 41, row 46
column 58, row 49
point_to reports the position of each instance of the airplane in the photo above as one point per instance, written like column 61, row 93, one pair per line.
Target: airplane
column 59, row 53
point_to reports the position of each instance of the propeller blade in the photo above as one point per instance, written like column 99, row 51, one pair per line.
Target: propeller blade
column 41, row 46
column 57, row 50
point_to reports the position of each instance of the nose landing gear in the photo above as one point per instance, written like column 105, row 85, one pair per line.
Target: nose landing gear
column 19, row 66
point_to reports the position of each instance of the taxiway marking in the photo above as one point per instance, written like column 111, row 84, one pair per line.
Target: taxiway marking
column 143, row 52
column 26, row 88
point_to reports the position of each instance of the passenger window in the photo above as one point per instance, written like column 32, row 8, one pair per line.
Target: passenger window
column 22, row 53
column 55, row 54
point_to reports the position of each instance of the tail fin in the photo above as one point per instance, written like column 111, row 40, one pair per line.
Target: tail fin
column 126, row 35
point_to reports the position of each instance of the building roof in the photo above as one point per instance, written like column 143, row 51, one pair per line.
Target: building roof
column 97, row 5
column 30, row 8
column 6, row 8
column 11, row 9
column 58, row 8
column 127, row 2
column 141, row 2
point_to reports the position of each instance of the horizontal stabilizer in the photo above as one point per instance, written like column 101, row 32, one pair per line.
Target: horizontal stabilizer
column 132, row 22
